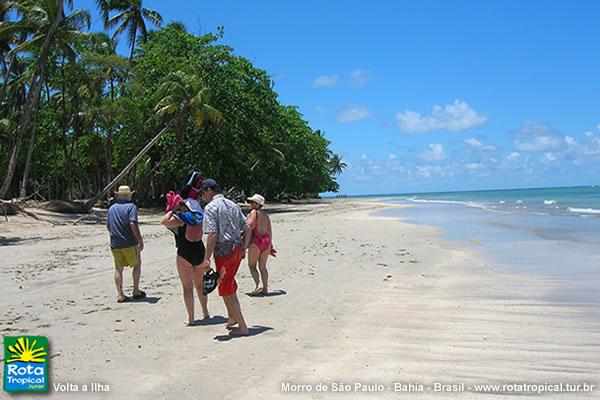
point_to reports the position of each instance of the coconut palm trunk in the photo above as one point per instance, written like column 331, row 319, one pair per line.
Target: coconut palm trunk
column 90, row 202
column 33, row 98
column 23, row 190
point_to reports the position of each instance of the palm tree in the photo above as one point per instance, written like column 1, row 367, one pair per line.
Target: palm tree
column 48, row 27
column 131, row 17
column 336, row 164
column 182, row 97
column 108, row 67
column 54, row 15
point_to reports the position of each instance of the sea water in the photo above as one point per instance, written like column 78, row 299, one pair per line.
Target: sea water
column 551, row 233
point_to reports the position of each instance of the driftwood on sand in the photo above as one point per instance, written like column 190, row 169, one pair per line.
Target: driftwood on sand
column 64, row 207
column 14, row 206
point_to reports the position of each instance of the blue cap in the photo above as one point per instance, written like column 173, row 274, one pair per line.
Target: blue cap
column 209, row 183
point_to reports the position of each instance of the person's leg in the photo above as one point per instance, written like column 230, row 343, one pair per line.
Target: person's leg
column 187, row 282
column 198, row 274
column 264, row 274
column 236, row 313
column 137, row 274
column 119, row 283
column 253, row 254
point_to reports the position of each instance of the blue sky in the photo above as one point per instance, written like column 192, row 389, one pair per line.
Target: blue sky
column 429, row 95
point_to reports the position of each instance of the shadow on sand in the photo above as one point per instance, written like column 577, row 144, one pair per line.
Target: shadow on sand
column 147, row 299
column 272, row 293
column 214, row 320
column 8, row 241
column 254, row 330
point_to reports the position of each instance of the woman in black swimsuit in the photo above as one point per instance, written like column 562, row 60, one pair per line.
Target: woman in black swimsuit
column 190, row 254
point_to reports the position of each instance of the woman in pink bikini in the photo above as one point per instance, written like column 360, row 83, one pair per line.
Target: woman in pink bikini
column 261, row 245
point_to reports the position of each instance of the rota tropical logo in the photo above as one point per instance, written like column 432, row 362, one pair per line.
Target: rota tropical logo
column 25, row 364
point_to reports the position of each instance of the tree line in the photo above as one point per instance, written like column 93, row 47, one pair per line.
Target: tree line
column 77, row 118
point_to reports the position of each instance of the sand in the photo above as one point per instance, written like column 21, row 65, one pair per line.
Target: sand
column 357, row 299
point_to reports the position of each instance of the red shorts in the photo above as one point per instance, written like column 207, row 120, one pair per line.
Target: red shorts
column 227, row 267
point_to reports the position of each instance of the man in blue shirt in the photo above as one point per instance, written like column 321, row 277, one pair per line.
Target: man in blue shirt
column 126, row 241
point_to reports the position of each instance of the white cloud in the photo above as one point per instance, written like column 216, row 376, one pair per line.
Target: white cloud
column 535, row 137
column 472, row 166
column 320, row 110
column 570, row 141
column 353, row 113
column 325, row 80
column 431, row 171
column 549, row 157
column 590, row 146
column 434, row 152
column 538, row 144
column 478, row 145
column 513, row 156
column 454, row 117
column 360, row 77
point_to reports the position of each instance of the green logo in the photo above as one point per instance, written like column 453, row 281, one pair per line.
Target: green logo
column 25, row 364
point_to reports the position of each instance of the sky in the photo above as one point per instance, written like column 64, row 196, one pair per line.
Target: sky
column 427, row 96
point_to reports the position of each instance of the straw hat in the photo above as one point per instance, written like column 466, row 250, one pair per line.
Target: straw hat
column 258, row 199
column 124, row 191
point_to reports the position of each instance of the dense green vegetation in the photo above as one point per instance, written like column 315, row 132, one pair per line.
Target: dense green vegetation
column 76, row 118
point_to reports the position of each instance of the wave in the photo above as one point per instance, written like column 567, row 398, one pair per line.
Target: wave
column 583, row 210
column 549, row 202
column 472, row 204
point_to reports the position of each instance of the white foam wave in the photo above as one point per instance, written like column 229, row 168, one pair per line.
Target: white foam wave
column 453, row 202
column 549, row 202
column 583, row 210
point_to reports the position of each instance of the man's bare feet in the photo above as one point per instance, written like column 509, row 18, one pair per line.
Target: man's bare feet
column 206, row 316
column 122, row 299
column 230, row 324
column 239, row 332
column 256, row 291
column 189, row 322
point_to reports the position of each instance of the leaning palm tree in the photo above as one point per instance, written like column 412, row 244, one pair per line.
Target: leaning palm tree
column 336, row 164
column 131, row 17
column 182, row 97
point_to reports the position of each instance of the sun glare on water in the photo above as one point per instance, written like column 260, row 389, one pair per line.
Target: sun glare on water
column 26, row 352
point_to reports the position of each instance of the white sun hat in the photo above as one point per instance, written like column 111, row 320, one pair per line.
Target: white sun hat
column 258, row 199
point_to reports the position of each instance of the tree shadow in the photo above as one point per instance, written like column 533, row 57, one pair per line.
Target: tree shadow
column 8, row 241
column 254, row 330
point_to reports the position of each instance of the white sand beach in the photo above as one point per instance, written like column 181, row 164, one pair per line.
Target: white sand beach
column 357, row 299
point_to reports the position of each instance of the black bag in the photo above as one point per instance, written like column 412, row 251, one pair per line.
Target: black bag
column 209, row 281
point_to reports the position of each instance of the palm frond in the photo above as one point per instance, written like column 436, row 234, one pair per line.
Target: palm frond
column 78, row 20
column 153, row 16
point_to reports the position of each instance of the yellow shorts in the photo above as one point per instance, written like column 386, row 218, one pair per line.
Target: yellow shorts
column 127, row 257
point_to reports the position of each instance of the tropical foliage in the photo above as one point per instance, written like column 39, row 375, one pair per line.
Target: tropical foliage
column 77, row 118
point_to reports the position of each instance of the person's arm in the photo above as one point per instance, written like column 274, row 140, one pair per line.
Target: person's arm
column 209, row 226
column 211, row 242
column 136, row 232
column 135, row 228
column 169, row 220
column 247, row 236
column 252, row 218
column 246, row 229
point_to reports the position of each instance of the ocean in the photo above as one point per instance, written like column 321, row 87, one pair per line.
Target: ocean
column 550, row 233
